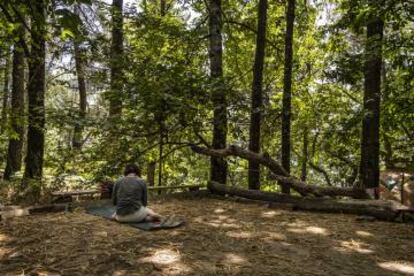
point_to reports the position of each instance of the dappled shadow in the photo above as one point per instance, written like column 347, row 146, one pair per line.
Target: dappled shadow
column 221, row 237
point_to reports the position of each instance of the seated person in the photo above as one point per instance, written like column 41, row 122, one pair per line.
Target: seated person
column 130, row 198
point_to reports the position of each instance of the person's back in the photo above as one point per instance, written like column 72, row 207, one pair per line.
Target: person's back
column 130, row 198
column 130, row 193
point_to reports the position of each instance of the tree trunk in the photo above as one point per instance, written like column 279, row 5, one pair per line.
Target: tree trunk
column 369, row 166
column 151, row 173
column 305, row 156
column 14, row 151
column 6, row 92
column 279, row 172
column 163, row 7
column 388, row 156
column 287, row 90
column 117, row 54
column 257, row 97
column 218, row 165
column 383, row 210
column 80, row 72
column 160, row 161
column 36, row 91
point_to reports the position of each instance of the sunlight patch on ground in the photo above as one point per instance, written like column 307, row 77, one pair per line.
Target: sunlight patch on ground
column 219, row 210
column 232, row 258
column 220, row 224
column 165, row 257
column 354, row 246
column 270, row 214
column 168, row 260
column 239, row 234
column 220, row 221
column 406, row 268
column 275, row 236
column 3, row 237
column 363, row 233
column 309, row 230
column 296, row 224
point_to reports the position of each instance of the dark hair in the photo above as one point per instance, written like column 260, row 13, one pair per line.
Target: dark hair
column 132, row 168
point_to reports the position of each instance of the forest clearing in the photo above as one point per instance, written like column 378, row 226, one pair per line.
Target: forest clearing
column 221, row 237
column 214, row 137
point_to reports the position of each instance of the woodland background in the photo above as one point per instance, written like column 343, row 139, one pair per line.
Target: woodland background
column 142, row 82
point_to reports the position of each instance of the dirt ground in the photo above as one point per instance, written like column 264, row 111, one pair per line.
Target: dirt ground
column 221, row 237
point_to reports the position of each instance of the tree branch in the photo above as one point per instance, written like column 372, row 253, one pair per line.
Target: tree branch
column 280, row 173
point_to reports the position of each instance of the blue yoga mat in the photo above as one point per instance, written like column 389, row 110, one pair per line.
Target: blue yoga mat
column 107, row 211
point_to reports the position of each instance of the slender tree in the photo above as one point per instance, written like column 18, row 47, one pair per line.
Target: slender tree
column 6, row 92
column 163, row 7
column 14, row 151
column 160, row 117
column 287, row 89
column 80, row 72
column 151, row 173
column 218, row 165
column 305, row 155
column 369, row 165
column 36, row 92
column 257, row 95
column 116, row 60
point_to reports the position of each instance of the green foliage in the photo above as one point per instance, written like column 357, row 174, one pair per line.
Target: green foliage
column 167, row 95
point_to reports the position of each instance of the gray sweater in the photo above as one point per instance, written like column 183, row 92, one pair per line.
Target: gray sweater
column 129, row 194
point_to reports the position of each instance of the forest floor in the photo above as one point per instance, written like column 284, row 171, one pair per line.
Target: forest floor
column 221, row 237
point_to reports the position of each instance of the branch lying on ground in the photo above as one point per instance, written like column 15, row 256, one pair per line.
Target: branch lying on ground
column 379, row 209
column 277, row 169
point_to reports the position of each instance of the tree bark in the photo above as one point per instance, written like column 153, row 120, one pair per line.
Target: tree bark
column 305, row 156
column 218, row 165
column 257, row 95
column 116, row 60
column 163, row 7
column 80, row 72
column 388, row 147
column 279, row 172
column 36, row 91
column 369, row 166
column 287, row 90
column 151, row 173
column 383, row 210
column 160, row 161
column 14, row 150
column 6, row 92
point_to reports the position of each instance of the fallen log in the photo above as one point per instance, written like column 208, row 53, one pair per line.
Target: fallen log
column 151, row 188
column 380, row 209
column 17, row 211
column 280, row 174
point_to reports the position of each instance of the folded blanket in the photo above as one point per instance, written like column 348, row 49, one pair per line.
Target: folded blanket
column 167, row 223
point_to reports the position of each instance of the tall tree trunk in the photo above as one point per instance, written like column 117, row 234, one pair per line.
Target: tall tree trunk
column 80, row 72
column 218, row 165
column 369, row 166
column 287, row 89
column 6, row 92
column 14, row 150
column 388, row 157
column 161, row 119
column 257, row 95
column 160, row 161
column 36, row 91
column 163, row 7
column 117, row 54
column 151, row 173
column 305, row 155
